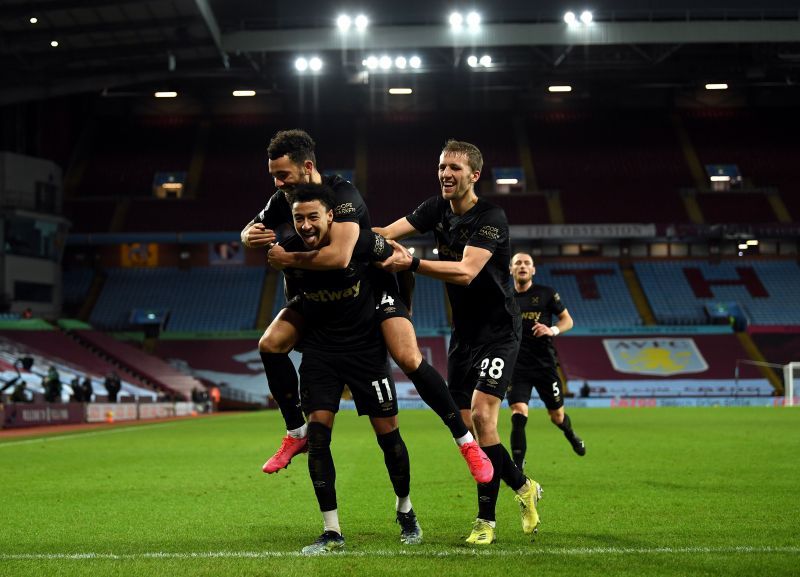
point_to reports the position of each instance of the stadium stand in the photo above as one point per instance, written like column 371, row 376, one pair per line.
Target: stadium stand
column 428, row 313
column 200, row 299
column 56, row 346
column 679, row 290
column 760, row 142
column 76, row 284
column 157, row 371
column 594, row 292
column 128, row 151
column 609, row 165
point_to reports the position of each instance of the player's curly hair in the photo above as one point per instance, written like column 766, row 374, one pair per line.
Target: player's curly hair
column 308, row 192
column 296, row 144
column 473, row 154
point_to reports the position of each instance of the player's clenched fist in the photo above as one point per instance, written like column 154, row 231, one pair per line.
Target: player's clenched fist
column 258, row 235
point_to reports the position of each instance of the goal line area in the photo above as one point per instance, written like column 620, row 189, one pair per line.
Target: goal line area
column 788, row 372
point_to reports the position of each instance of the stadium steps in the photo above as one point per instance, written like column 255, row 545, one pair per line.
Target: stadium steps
column 95, row 290
column 198, row 159
column 361, row 162
column 779, row 208
column 525, row 154
column 153, row 369
column 555, row 210
column 637, row 294
column 752, row 350
column 690, row 203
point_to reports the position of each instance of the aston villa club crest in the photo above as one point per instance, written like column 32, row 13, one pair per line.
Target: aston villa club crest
column 656, row 357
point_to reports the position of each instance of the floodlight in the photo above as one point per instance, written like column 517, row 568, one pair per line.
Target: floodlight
column 54, row 43
column 34, row 20
column 456, row 20
column 315, row 64
column 415, row 62
column 244, row 92
column 472, row 61
column 570, row 18
column 486, row 61
column 400, row 62
column 400, row 91
column 717, row 86
column 562, row 88
column 361, row 22
column 344, row 22
column 371, row 62
column 301, row 64
column 385, row 62
column 473, row 20
column 166, row 94
column 586, row 17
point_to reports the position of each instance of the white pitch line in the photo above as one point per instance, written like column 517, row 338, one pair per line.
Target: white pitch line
column 558, row 551
column 79, row 435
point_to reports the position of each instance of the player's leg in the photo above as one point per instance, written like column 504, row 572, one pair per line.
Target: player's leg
column 374, row 394
column 323, row 477
column 321, row 390
column 553, row 399
column 519, row 442
column 519, row 394
column 496, row 365
column 274, row 346
column 401, row 341
column 561, row 420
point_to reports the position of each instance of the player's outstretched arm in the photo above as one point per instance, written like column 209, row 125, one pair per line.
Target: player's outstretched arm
column 456, row 272
column 398, row 230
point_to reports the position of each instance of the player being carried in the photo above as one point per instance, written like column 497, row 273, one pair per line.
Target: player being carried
column 292, row 162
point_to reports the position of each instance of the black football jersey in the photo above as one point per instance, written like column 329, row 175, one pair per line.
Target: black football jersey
column 338, row 305
column 484, row 310
column 350, row 206
column 538, row 304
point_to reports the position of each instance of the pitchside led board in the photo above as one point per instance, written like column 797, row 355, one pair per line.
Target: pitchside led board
column 661, row 357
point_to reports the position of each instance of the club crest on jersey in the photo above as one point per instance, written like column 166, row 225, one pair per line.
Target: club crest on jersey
column 660, row 357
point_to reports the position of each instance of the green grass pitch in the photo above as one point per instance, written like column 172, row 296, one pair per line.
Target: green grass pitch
column 660, row 492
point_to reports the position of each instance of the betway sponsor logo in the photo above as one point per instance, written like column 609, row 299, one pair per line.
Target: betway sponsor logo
column 328, row 296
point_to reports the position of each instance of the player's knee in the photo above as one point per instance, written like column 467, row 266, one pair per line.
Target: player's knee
column 520, row 409
column 482, row 419
column 557, row 417
column 407, row 358
column 319, row 436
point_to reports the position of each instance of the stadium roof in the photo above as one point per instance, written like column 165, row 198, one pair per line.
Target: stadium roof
column 129, row 48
